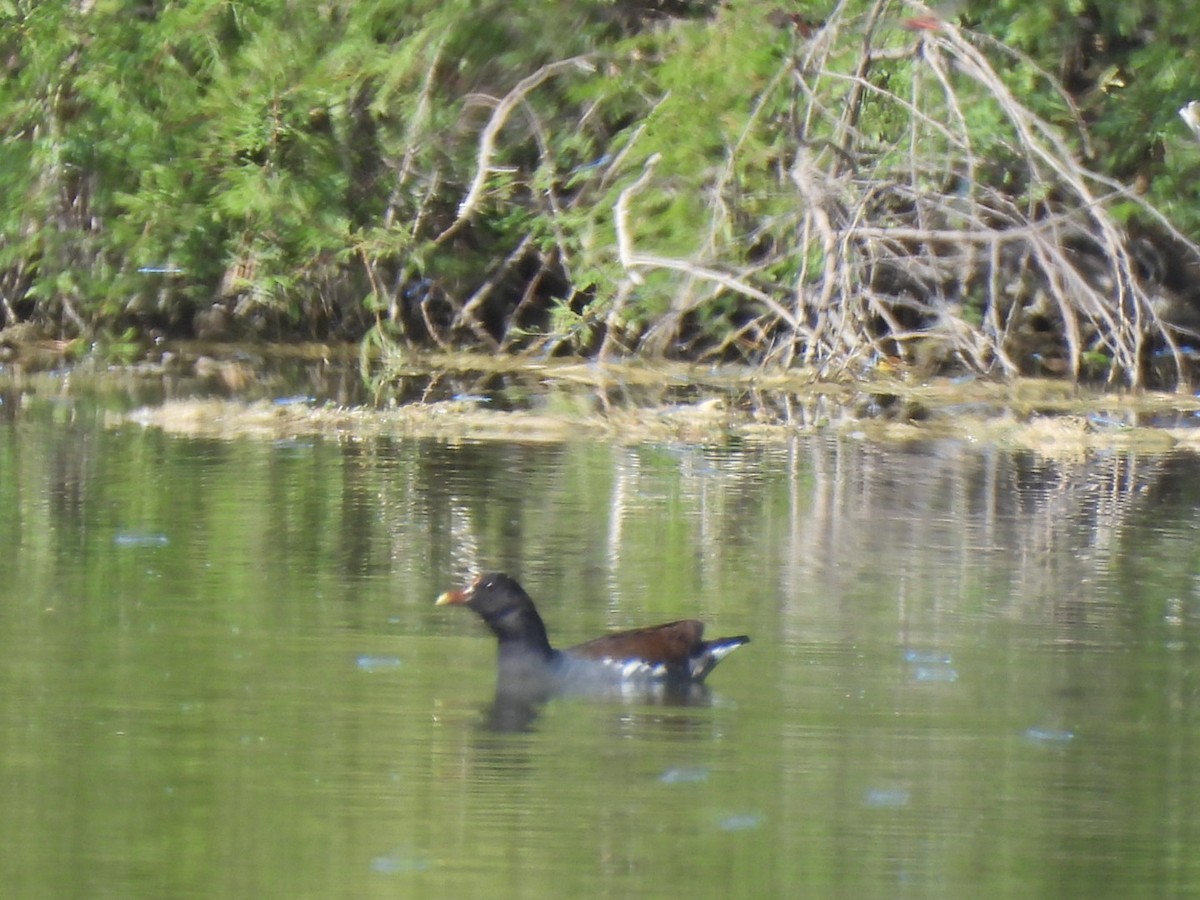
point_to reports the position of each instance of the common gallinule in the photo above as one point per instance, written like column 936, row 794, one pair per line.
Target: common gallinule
column 663, row 657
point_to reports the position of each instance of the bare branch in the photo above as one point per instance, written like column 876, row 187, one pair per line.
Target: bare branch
column 487, row 139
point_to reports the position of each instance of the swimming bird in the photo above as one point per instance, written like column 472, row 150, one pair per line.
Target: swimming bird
column 661, row 658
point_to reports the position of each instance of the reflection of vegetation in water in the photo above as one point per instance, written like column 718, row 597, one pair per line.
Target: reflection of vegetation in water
column 808, row 510
column 726, row 182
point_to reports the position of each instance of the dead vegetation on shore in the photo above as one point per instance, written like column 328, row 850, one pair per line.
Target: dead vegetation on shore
column 567, row 401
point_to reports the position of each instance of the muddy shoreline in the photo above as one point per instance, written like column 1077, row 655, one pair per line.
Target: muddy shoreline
column 278, row 393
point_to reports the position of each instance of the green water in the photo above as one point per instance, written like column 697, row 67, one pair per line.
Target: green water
column 222, row 673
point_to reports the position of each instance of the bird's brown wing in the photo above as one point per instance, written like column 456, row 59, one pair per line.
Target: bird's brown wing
column 671, row 644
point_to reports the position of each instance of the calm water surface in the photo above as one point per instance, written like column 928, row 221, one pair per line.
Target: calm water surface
column 222, row 673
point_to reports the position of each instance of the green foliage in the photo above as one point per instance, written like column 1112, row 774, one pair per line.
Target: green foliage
column 537, row 174
column 1130, row 66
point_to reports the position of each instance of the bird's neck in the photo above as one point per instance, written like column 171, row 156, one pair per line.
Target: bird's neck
column 524, row 661
column 524, row 634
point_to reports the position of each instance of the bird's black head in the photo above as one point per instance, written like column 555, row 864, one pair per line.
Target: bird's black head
column 507, row 610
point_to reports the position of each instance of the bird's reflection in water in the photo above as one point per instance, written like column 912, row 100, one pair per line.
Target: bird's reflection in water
column 517, row 704
column 512, row 713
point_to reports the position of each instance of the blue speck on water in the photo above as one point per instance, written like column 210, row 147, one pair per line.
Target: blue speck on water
column 298, row 400
column 886, row 797
column 370, row 663
column 141, row 539
column 395, row 864
column 740, row 822
column 927, row 656
column 684, row 775
column 1049, row 735
column 931, row 673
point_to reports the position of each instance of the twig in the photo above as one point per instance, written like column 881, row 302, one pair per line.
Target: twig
column 487, row 139
column 621, row 218
column 724, row 279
